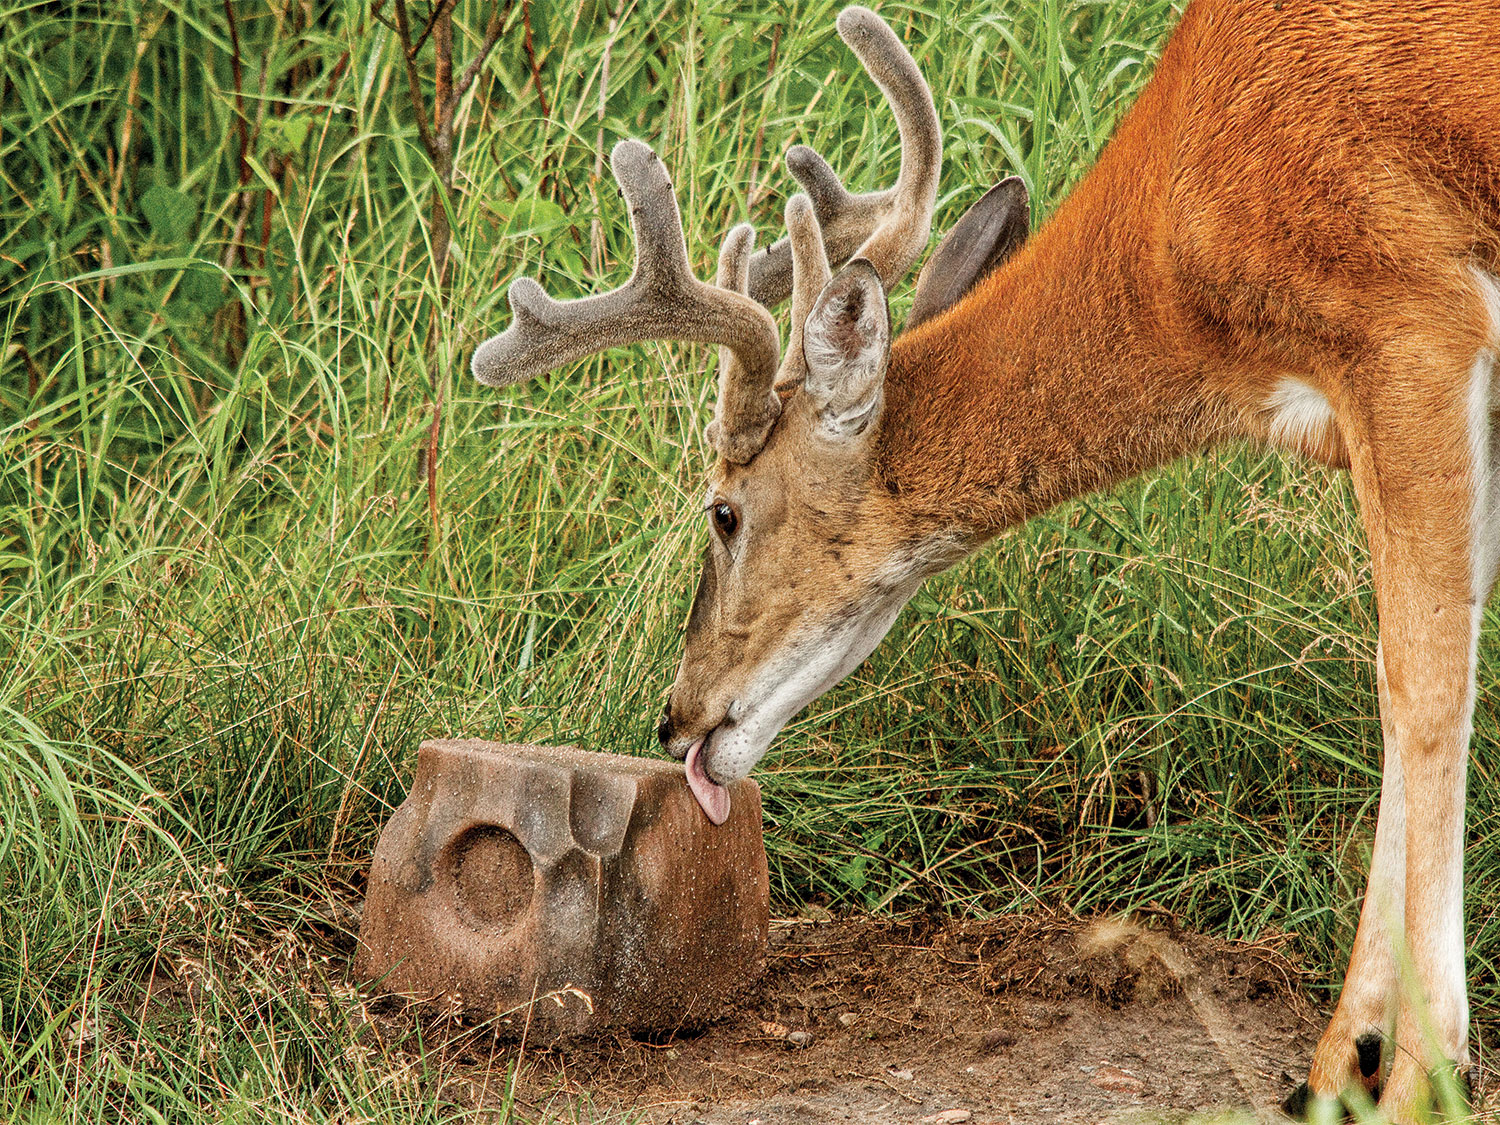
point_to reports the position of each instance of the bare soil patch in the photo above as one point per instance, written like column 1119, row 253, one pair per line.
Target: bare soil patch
column 1011, row 1020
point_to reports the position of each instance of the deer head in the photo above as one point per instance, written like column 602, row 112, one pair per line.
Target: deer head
column 810, row 556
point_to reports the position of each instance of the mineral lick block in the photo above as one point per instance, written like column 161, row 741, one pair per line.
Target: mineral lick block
column 513, row 871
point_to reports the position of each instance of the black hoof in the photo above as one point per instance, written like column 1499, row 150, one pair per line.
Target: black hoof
column 1299, row 1101
column 1295, row 1105
column 1298, row 1105
column 1367, row 1048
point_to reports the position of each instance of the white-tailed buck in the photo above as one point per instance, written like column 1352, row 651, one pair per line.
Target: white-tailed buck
column 1293, row 237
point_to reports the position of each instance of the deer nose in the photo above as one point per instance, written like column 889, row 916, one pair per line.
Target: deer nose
column 664, row 728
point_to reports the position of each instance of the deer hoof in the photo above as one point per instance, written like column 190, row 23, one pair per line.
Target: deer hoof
column 1299, row 1103
column 1367, row 1047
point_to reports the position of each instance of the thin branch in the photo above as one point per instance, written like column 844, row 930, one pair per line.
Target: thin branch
column 536, row 70
column 432, row 457
column 471, row 72
column 442, row 9
column 418, row 102
column 241, row 121
column 596, row 228
column 442, row 125
column 442, row 100
column 234, row 251
column 437, row 140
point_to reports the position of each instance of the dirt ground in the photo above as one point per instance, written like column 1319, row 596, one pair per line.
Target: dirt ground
column 1033, row 1019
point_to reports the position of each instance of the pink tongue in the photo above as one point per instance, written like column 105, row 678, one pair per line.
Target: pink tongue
column 712, row 796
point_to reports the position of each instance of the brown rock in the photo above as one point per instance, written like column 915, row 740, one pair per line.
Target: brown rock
column 1117, row 1081
column 592, row 881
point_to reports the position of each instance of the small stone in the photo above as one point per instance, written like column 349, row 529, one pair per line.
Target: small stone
column 81, row 1030
column 799, row 1039
column 947, row 1117
column 848, row 1019
column 903, row 1074
column 1117, row 1081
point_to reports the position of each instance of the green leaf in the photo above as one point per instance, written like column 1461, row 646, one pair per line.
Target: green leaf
column 169, row 212
column 285, row 134
column 204, row 289
column 536, row 216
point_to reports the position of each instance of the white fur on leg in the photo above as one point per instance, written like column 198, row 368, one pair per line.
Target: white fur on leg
column 1369, row 998
column 1484, row 438
column 1449, row 1002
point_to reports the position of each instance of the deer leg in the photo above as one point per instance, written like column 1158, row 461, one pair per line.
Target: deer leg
column 1432, row 1027
column 1432, row 699
column 1351, row 1047
column 1427, row 496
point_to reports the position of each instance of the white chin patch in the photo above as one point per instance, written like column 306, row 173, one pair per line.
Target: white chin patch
column 804, row 669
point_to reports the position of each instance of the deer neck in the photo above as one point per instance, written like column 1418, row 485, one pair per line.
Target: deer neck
column 1058, row 375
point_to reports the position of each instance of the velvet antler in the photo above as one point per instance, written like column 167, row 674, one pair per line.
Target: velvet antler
column 889, row 228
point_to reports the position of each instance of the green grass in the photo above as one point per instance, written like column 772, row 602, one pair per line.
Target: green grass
column 229, row 610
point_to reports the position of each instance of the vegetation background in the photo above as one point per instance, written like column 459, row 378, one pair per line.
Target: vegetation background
column 260, row 533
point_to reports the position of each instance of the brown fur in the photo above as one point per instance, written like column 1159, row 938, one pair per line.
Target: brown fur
column 1190, row 278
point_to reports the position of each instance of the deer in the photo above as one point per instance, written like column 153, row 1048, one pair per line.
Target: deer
column 1292, row 238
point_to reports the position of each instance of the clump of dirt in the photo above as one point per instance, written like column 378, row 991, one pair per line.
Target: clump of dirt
column 1017, row 1019
column 1112, row 963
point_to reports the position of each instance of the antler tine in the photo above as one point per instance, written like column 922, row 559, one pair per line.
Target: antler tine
column 888, row 227
column 748, row 406
column 661, row 301
column 810, row 270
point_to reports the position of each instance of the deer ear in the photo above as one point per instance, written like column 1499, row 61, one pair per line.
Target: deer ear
column 846, row 344
column 977, row 245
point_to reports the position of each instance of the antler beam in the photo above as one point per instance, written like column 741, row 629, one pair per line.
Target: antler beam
column 661, row 301
column 748, row 406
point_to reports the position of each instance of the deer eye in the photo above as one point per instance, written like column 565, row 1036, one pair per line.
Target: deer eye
column 726, row 519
